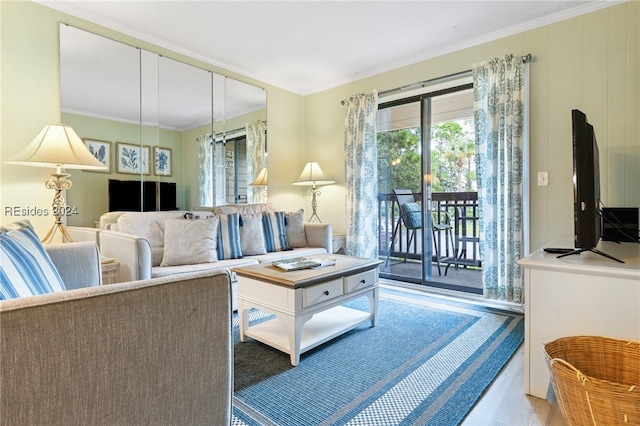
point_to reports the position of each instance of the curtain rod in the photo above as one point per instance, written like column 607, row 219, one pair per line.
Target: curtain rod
column 235, row 131
column 218, row 136
column 525, row 59
column 232, row 132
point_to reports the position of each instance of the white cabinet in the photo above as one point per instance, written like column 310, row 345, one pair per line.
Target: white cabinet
column 584, row 294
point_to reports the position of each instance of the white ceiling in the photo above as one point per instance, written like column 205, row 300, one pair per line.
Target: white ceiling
column 308, row 46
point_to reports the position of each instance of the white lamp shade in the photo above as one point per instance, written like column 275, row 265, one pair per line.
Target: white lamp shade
column 261, row 179
column 57, row 145
column 312, row 174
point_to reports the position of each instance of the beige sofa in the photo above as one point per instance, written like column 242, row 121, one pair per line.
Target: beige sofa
column 140, row 243
column 156, row 351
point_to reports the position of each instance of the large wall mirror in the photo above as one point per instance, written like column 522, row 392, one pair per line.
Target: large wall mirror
column 173, row 136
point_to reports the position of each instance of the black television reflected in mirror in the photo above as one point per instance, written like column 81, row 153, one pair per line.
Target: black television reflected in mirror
column 135, row 196
column 586, row 187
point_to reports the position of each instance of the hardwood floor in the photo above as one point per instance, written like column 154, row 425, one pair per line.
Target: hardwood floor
column 505, row 403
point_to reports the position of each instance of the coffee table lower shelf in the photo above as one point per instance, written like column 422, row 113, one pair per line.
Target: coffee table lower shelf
column 323, row 327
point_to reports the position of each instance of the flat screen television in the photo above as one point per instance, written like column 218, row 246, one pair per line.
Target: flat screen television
column 586, row 182
column 133, row 195
column 586, row 186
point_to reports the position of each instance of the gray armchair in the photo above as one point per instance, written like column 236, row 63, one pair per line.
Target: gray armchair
column 144, row 352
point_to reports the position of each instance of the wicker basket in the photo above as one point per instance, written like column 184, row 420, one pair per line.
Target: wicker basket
column 596, row 380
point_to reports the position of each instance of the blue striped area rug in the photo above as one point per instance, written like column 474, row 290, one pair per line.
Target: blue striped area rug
column 426, row 362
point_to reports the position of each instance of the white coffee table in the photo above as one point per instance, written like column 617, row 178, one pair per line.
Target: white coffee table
column 307, row 303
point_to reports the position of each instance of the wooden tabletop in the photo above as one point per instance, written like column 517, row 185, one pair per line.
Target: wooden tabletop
column 345, row 265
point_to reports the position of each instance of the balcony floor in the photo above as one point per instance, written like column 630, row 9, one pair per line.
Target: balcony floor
column 461, row 278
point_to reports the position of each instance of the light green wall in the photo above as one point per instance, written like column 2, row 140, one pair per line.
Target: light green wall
column 588, row 62
column 30, row 99
column 90, row 189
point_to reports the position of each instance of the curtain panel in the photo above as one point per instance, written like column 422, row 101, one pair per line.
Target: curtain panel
column 205, row 170
column 499, row 113
column 256, row 159
column 361, row 175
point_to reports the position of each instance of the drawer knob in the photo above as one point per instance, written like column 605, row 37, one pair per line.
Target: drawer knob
column 326, row 292
column 363, row 281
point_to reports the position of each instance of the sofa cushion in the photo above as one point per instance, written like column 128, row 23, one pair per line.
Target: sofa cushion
column 294, row 224
column 275, row 234
column 198, row 214
column 229, row 237
column 25, row 267
column 252, row 235
column 150, row 226
column 243, row 208
column 109, row 220
column 226, row 265
column 189, row 241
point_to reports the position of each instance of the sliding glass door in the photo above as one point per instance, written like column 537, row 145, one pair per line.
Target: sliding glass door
column 428, row 202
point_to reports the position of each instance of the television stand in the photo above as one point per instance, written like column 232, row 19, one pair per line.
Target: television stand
column 593, row 250
column 577, row 296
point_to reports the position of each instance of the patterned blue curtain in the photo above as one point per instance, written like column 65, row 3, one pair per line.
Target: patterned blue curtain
column 499, row 127
column 361, row 174
column 205, row 170
column 256, row 159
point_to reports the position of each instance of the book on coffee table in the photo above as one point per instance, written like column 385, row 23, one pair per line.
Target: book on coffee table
column 299, row 263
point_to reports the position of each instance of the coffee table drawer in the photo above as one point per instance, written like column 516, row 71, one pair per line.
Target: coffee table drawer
column 321, row 292
column 358, row 281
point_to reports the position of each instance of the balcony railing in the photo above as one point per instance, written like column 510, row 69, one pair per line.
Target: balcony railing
column 459, row 245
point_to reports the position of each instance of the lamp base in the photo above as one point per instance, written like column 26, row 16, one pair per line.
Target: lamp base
column 314, row 214
column 314, row 204
column 52, row 232
column 58, row 184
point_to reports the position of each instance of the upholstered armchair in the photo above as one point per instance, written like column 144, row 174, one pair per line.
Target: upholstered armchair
column 145, row 352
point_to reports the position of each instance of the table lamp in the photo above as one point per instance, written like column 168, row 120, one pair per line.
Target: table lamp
column 261, row 179
column 261, row 182
column 57, row 146
column 312, row 175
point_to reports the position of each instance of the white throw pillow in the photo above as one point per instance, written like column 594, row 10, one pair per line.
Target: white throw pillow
column 243, row 208
column 148, row 225
column 296, row 236
column 187, row 241
column 252, row 235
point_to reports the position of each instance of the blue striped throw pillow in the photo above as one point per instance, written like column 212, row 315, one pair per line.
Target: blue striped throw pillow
column 275, row 233
column 25, row 267
column 228, row 245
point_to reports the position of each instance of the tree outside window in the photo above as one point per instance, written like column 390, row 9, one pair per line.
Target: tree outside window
column 452, row 158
